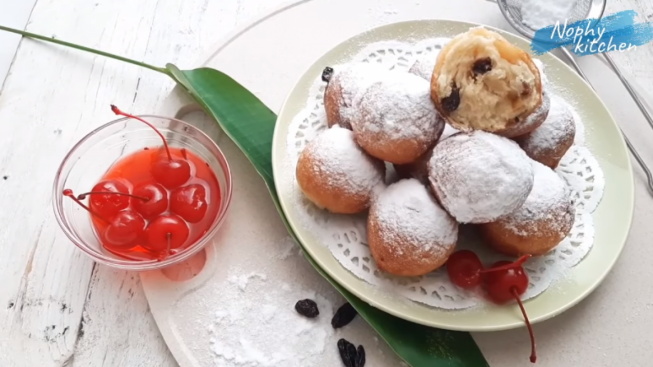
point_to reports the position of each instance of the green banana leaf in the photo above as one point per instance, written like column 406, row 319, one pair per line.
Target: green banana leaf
column 250, row 124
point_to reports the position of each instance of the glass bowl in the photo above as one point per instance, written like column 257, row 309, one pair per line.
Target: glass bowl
column 92, row 157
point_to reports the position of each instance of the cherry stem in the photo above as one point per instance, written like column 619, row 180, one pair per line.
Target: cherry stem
column 513, row 265
column 169, row 238
column 69, row 193
column 84, row 195
column 117, row 111
column 533, row 358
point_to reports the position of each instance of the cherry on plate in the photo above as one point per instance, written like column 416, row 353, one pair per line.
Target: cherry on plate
column 502, row 278
column 464, row 269
column 506, row 281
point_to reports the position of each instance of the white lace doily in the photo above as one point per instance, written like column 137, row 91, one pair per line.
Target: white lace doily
column 345, row 236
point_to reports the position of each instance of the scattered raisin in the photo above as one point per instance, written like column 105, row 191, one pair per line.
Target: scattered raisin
column 527, row 89
column 343, row 316
column 347, row 353
column 327, row 73
column 452, row 102
column 360, row 357
column 482, row 66
column 307, row 307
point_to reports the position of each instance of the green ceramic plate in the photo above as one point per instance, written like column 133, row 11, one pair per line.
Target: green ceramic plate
column 612, row 218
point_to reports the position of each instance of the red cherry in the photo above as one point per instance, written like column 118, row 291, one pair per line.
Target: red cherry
column 166, row 232
column 189, row 202
column 106, row 203
column 506, row 281
column 156, row 199
column 125, row 228
column 169, row 172
column 499, row 284
column 464, row 269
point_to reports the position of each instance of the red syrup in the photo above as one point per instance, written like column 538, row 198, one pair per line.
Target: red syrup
column 152, row 203
column 134, row 171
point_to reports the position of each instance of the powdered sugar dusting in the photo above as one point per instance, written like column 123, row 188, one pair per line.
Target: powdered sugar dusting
column 408, row 215
column 243, row 280
column 353, row 79
column 342, row 164
column 448, row 131
column 540, row 66
column 557, row 127
column 479, row 176
column 399, row 108
column 548, row 202
column 539, row 14
column 425, row 65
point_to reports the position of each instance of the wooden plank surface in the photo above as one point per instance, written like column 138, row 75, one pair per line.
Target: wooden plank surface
column 58, row 308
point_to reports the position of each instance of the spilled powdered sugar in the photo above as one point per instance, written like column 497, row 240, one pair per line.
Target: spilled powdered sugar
column 543, row 13
column 343, row 163
column 479, row 176
column 548, row 201
column 557, row 127
column 267, row 332
column 399, row 107
column 407, row 215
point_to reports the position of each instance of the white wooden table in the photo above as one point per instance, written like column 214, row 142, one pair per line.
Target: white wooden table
column 58, row 308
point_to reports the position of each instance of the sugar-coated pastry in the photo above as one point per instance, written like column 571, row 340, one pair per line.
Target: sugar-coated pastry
column 479, row 177
column 539, row 225
column 548, row 143
column 409, row 234
column 397, row 121
column 483, row 82
column 334, row 173
column 343, row 83
column 533, row 121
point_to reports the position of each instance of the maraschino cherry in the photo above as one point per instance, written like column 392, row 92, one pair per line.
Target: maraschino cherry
column 505, row 281
column 166, row 232
column 156, row 199
column 168, row 171
column 464, row 269
column 124, row 229
column 104, row 201
column 189, row 202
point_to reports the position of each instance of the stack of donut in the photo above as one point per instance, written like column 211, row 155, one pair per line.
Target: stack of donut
column 474, row 135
